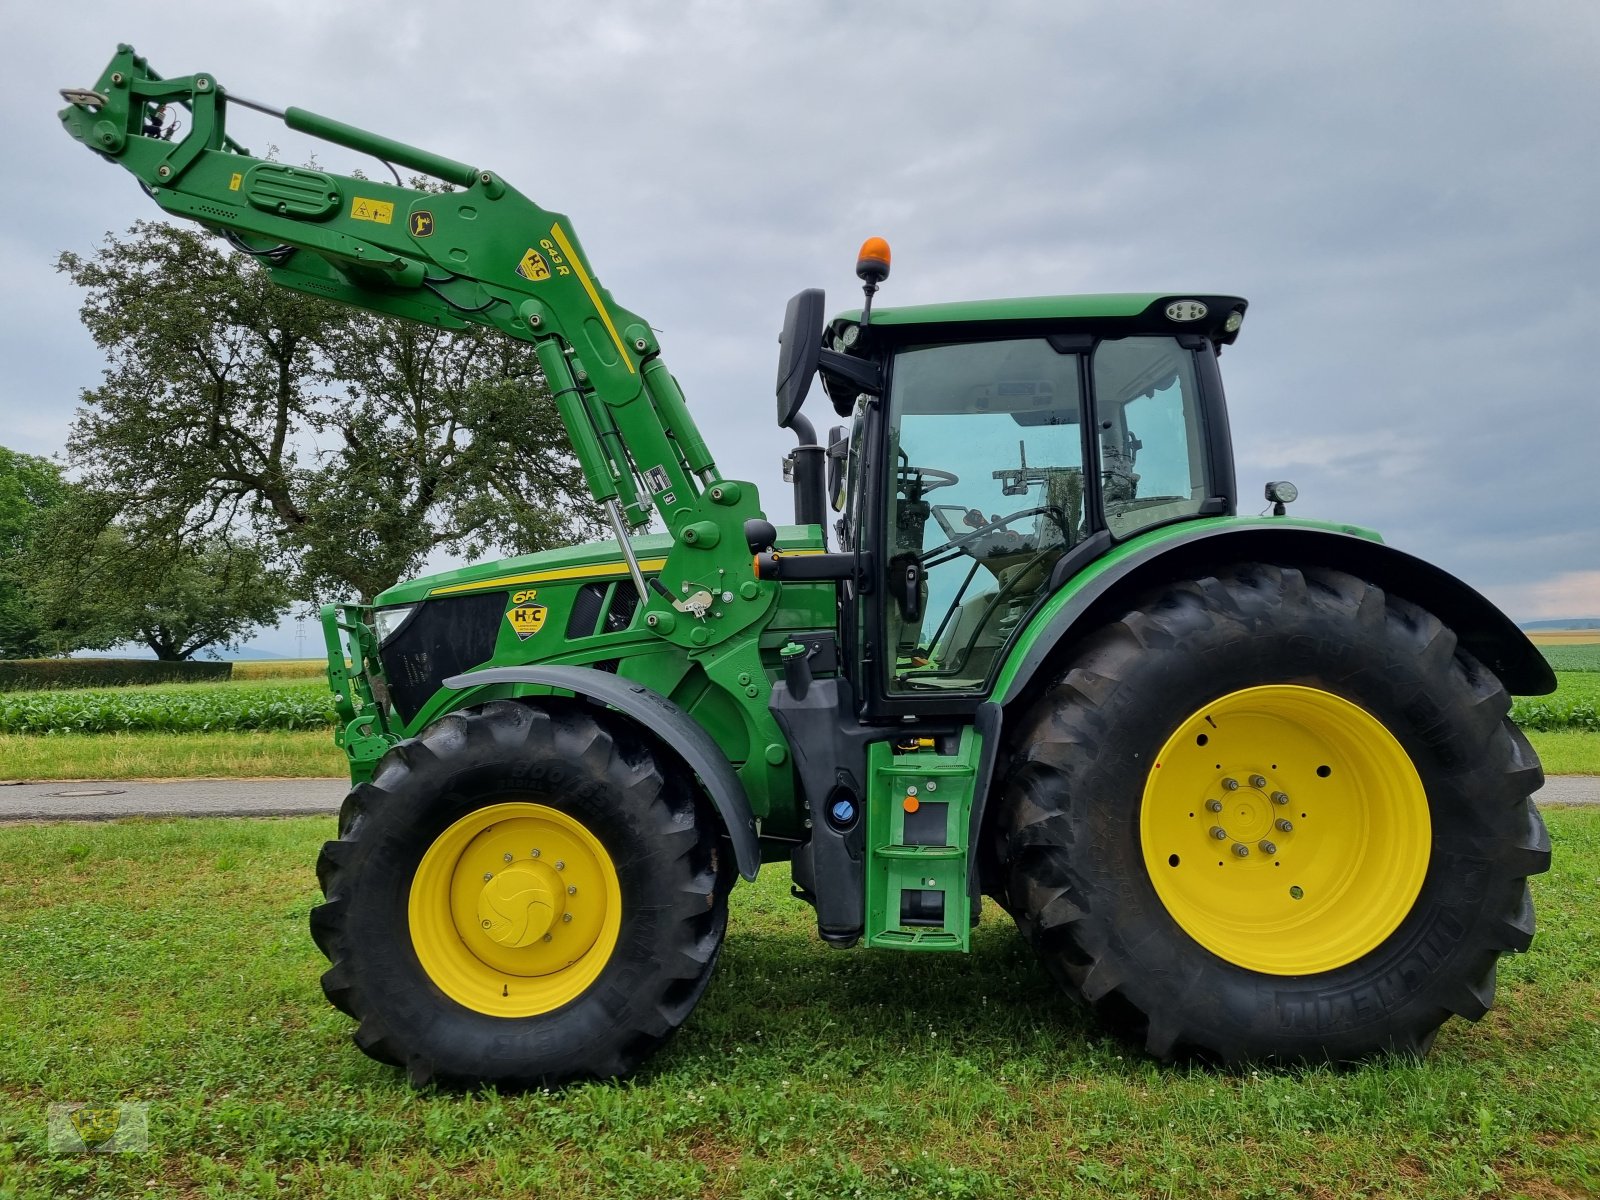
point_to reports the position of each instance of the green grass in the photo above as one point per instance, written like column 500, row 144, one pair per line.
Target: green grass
column 171, row 708
column 170, row 755
column 1567, row 751
column 169, row 962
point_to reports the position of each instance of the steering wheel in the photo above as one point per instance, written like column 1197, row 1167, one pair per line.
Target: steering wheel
column 963, row 540
column 931, row 478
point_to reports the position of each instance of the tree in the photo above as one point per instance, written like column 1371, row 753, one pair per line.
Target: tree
column 29, row 488
column 104, row 585
column 354, row 445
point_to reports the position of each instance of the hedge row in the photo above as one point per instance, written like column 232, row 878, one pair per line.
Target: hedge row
column 205, row 710
column 33, row 674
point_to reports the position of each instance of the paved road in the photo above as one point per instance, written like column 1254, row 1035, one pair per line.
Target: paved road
column 91, row 801
column 95, row 801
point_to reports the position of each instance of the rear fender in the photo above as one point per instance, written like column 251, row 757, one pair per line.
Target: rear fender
column 667, row 725
column 1481, row 628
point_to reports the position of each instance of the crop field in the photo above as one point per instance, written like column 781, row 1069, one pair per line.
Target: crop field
column 169, row 962
column 1572, row 656
column 1564, row 637
column 288, row 704
column 1574, row 705
column 279, row 668
column 170, row 708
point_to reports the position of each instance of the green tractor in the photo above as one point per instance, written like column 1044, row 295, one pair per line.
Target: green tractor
column 1246, row 784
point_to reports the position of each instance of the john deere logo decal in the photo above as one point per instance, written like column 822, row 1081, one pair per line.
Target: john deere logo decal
column 421, row 223
column 526, row 617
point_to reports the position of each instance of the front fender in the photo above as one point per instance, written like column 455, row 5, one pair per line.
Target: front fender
column 665, row 723
column 1106, row 595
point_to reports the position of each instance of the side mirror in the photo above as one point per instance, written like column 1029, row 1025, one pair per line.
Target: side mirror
column 799, row 349
column 838, row 451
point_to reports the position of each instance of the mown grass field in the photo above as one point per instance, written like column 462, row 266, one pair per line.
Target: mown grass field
column 169, row 962
column 250, row 755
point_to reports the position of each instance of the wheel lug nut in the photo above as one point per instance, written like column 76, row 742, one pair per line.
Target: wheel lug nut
column 566, row 918
column 547, row 937
column 1258, row 781
column 1268, row 847
column 1284, row 825
column 1218, row 832
column 1279, row 798
column 488, row 875
column 560, row 866
column 1231, row 784
column 1213, row 805
column 536, row 854
column 1240, row 850
column 571, row 890
column 507, row 857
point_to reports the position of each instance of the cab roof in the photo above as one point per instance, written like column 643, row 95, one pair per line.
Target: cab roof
column 1123, row 312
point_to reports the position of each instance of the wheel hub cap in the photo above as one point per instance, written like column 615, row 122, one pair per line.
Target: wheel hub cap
column 1285, row 829
column 515, row 909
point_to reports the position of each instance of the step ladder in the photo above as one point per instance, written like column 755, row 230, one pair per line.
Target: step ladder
column 919, row 812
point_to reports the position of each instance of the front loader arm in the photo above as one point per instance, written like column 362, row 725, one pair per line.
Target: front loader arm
column 482, row 254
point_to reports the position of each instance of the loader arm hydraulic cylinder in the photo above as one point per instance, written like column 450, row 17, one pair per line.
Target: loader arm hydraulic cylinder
column 479, row 253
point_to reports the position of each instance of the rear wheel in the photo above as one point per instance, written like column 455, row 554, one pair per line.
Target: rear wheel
column 1274, row 814
column 521, row 897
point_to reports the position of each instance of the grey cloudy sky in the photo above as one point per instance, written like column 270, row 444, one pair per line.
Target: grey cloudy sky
column 1405, row 193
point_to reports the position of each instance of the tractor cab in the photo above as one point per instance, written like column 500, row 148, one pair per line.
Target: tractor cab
column 995, row 449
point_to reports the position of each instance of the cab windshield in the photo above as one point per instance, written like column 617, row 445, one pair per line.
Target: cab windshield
column 986, row 487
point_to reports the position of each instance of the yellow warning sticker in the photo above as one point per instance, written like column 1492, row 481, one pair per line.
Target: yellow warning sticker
column 526, row 620
column 533, row 266
column 362, row 209
column 421, row 223
column 235, row 182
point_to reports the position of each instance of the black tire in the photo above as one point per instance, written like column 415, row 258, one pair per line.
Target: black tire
column 1066, row 838
column 590, row 765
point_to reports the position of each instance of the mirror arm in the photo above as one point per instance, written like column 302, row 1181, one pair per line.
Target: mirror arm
column 863, row 375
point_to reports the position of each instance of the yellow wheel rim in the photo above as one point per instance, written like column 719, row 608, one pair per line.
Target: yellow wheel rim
column 1285, row 829
column 515, row 909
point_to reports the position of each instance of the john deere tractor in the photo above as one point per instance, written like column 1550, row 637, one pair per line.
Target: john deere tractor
column 1246, row 784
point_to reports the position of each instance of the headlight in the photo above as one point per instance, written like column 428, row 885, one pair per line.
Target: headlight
column 386, row 621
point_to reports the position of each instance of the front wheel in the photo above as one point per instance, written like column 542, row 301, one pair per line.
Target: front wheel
column 1273, row 815
column 522, row 896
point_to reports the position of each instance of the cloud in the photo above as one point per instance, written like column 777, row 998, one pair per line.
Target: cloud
column 1407, row 202
column 1569, row 594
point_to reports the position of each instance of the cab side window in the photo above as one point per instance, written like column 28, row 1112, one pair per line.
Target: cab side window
column 1152, row 449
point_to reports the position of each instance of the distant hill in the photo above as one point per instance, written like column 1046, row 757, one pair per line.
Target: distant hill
column 1563, row 623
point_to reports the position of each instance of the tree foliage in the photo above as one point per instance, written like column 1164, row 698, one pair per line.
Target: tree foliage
column 29, row 488
column 351, row 445
column 100, row 584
